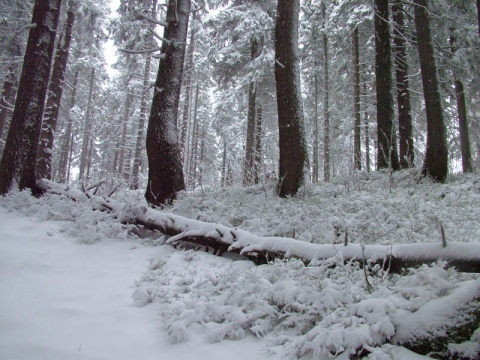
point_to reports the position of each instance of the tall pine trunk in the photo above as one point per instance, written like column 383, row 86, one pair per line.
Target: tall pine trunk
column 326, row 105
column 141, row 125
column 293, row 153
column 67, row 138
column 258, row 143
column 357, row 152
column 436, row 156
column 467, row 165
column 17, row 167
column 192, row 174
column 88, row 127
column 405, row 128
column 387, row 155
column 367, row 132
column 122, row 146
column 165, row 173
column 187, row 85
column 249, row 164
column 52, row 108
column 8, row 97
column 315, row 129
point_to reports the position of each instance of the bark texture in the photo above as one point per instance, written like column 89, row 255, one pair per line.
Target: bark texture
column 6, row 102
column 405, row 128
column 293, row 154
column 19, row 157
column 165, row 173
column 436, row 156
column 326, row 104
column 52, row 108
column 357, row 152
column 467, row 165
column 84, row 158
column 387, row 155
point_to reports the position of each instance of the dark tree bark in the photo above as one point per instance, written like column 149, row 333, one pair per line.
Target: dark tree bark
column 165, row 174
column 405, row 128
column 123, row 140
column 19, row 158
column 192, row 174
column 467, row 165
column 249, row 164
column 88, row 128
column 52, row 108
column 67, row 139
column 387, row 155
column 8, row 97
column 258, row 143
column 141, row 124
column 293, row 154
column 436, row 156
column 189, row 67
column 326, row 104
column 315, row 161
column 357, row 152
column 367, row 133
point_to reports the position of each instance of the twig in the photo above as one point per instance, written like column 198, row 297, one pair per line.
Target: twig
column 151, row 19
column 146, row 51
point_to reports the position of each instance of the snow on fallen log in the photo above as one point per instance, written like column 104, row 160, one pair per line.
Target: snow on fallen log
column 465, row 257
column 448, row 319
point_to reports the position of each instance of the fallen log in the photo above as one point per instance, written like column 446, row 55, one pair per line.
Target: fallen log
column 449, row 319
column 465, row 257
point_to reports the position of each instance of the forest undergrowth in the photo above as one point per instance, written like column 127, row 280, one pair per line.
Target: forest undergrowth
column 303, row 311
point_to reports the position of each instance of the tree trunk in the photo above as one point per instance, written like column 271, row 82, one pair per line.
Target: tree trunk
column 141, row 122
column 6, row 102
column 326, row 105
column 123, row 140
column 387, row 155
column 249, row 164
column 258, row 143
column 188, row 83
column 66, row 147
column 165, row 173
column 88, row 127
column 224, row 162
column 357, row 151
column 367, row 132
column 293, row 154
column 478, row 16
column 315, row 130
column 52, row 108
column 463, row 127
column 405, row 128
column 19, row 158
column 192, row 178
column 436, row 156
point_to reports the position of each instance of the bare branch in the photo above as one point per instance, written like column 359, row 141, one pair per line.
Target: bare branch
column 159, row 37
column 151, row 19
column 146, row 51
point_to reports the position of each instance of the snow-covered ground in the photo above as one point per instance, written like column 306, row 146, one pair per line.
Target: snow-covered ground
column 75, row 284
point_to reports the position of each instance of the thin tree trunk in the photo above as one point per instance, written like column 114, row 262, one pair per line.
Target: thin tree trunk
column 357, row 151
column 387, row 155
column 249, row 164
column 65, row 152
column 436, row 156
column 88, row 127
column 194, row 150
column 52, row 108
column 367, row 133
column 315, row 130
column 165, row 173
column 19, row 158
column 123, row 140
column 188, row 83
column 467, row 165
column 141, row 122
column 258, row 143
column 6, row 102
column 326, row 105
column 293, row 153
column 224, row 163
column 405, row 128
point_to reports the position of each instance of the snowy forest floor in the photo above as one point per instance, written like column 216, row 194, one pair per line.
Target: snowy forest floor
column 76, row 284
